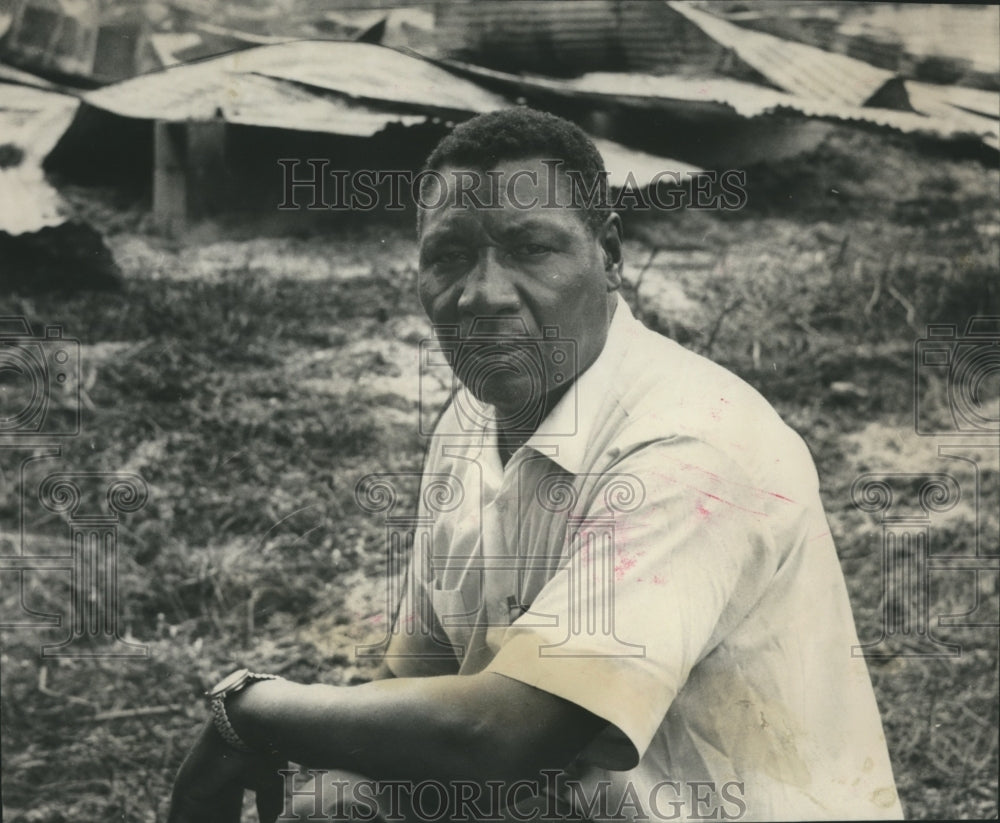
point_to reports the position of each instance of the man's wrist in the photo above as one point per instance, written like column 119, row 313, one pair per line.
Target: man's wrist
column 245, row 716
column 221, row 699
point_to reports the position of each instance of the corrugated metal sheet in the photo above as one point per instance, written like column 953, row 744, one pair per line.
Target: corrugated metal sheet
column 254, row 100
column 248, row 38
column 902, row 121
column 746, row 99
column 937, row 107
column 966, row 32
column 978, row 101
column 918, row 39
column 741, row 99
column 796, row 68
column 623, row 163
column 8, row 74
column 967, row 109
column 245, row 99
column 168, row 47
column 369, row 72
column 31, row 120
column 932, row 99
column 572, row 36
column 325, row 86
column 92, row 39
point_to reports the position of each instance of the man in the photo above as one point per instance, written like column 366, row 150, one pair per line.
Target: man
column 631, row 596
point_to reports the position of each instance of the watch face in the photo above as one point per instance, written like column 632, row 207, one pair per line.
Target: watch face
column 227, row 683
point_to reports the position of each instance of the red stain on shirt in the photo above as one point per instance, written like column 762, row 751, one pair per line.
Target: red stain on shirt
column 702, row 512
column 625, row 562
column 731, row 504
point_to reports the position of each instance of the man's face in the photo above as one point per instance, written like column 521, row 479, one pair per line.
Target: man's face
column 517, row 271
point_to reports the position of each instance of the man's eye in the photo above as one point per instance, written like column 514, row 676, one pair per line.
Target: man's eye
column 531, row 250
column 453, row 257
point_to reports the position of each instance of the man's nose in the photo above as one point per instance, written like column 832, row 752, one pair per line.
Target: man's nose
column 488, row 288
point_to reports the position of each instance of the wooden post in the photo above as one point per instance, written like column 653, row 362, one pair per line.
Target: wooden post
column 189, row 172
column 169, row 180
column 206, row 168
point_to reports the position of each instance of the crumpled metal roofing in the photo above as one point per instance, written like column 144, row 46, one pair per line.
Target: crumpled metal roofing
column 967, row 32
column 369, row 72
column 720, row 94
column 978, row 101
column 972, row 110
column 329, row 86
column 825, row 82
column 246, row 99
column 746, row 99
column 571, row 36
column 9, row 74
column 623, row 163
column 796, row 68
column 32, row 120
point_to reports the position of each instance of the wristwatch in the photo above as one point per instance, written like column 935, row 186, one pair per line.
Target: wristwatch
column 229, row 685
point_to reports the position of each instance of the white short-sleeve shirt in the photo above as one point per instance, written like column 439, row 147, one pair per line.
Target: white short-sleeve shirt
column 658, row 554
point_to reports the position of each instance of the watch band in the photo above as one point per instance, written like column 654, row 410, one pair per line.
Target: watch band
column 236, row 682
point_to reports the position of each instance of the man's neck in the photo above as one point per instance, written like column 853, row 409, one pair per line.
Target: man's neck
column 508, row 442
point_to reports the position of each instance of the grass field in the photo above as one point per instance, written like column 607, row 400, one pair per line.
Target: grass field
column 251, row 381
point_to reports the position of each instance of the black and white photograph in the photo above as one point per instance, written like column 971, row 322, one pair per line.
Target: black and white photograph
column 499, row 411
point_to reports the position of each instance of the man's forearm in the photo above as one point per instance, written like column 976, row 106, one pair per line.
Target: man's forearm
column 479, row 727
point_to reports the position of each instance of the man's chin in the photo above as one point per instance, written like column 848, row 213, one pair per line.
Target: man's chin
column 517, row 402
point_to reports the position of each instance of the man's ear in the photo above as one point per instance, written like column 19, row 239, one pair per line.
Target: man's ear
column 610, row 239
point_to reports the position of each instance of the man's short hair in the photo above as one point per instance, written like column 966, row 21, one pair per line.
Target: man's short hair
column 523, row 134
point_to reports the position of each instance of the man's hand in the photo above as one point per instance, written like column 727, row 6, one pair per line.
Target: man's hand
column 210, row 783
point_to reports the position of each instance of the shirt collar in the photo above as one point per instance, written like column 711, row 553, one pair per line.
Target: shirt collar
column 567, row 431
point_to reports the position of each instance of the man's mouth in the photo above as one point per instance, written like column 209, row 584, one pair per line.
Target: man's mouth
column 498, row 329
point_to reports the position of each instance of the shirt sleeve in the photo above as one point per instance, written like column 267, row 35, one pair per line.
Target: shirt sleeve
column 689, row 554
column 418, row 646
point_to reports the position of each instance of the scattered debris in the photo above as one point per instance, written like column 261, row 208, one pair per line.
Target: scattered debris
column 329, row 86
column 31, row 122
column 41, row 246
column 700, row 103
column 796, row 68
column 85, row 41
column 943, row 43
column 568, row 37
column 634, row 168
